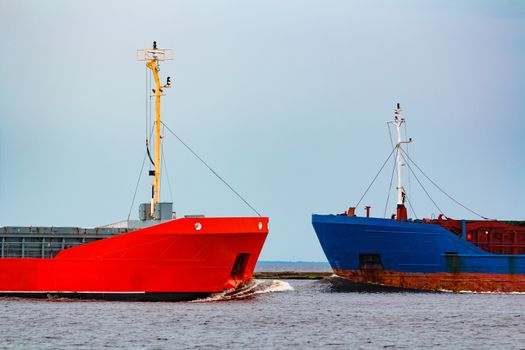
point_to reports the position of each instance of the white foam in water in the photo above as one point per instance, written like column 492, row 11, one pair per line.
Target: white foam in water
column 267, row 286
column 251, row 288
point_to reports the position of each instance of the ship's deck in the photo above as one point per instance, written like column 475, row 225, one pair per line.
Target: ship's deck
column 47, row 242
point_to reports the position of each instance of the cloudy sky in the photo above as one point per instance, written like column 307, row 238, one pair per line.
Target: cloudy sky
column 287, row 100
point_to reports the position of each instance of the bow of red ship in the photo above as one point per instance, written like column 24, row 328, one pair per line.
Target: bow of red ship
column 184, row 257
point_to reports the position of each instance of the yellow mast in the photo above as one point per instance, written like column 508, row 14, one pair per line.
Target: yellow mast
column 152, row 57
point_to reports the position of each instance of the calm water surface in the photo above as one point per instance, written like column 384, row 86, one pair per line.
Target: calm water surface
column 272, row 314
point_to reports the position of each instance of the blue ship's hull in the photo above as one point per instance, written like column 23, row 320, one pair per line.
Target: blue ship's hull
column 414, row 255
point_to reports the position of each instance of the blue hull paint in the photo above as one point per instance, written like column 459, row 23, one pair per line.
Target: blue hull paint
column 406, row 247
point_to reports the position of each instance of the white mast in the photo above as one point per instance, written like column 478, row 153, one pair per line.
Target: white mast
column 397, row 122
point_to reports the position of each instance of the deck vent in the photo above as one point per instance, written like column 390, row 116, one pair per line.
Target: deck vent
column 145, row 212
column 163, row 211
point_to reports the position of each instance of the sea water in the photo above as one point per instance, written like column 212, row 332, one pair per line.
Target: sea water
column 272, row 314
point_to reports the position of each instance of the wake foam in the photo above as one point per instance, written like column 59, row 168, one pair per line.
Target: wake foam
column 248, row 290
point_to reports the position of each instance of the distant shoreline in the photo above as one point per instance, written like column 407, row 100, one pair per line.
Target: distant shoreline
column 292, row 275
column 303, row 270
column 291, row 262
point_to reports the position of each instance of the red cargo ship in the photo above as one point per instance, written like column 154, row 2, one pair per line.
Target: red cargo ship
column 157, row 257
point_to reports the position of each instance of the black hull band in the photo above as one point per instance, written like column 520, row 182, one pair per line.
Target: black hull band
column 182, row 296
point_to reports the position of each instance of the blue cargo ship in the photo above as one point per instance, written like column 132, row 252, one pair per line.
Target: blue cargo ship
column 440, row 254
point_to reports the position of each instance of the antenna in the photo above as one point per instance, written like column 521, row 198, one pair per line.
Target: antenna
column 155, row 53
column 397, row 111
column 152, row 57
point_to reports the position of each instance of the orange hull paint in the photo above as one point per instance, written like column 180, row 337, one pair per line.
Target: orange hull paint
column 172, row 257
column 440, row 281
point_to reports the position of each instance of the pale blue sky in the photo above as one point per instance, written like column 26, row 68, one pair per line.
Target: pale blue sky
column 287, row 100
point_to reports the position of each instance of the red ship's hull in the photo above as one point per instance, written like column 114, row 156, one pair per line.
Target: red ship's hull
column 178, row 260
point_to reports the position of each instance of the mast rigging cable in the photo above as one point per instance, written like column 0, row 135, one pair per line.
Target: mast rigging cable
column 442, row 191
column 210, row 168
column 138, row 180
column 375, row 177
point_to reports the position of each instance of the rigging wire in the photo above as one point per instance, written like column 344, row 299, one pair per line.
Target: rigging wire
column 147, row 101
column 409, row 177
column 138, row 180
column 375, row 177
column 390, row 187
column 166, row 169
column 137, row 186
column 442, row 191
column 146, row 105
column 390, row 134
column 423, row 187
column 410, row 205
column 149, row 127
column 150, row 97
column 213, row 171
column 149, row 155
